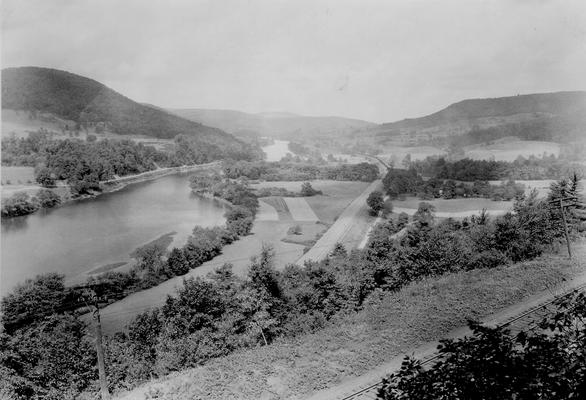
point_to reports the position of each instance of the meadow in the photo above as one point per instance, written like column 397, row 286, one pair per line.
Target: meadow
column 510, row 150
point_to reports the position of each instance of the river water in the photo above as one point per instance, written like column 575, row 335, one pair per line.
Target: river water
column 86, row 234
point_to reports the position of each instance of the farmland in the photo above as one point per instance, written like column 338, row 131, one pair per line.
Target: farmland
column 511, row 149
column 454, row 207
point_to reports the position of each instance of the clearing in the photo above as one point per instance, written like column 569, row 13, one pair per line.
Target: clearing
column 510, row 150
column 454, row 208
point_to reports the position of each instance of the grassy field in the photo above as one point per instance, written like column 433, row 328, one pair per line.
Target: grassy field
column 510, row 150
column 310, row 232
column 456, row 205
column 391, row 324
column 336, row 197
column 17, row 175
column 397, row 153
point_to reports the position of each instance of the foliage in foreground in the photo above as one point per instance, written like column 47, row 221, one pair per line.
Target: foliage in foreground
column 214, row 317
column 544, row 363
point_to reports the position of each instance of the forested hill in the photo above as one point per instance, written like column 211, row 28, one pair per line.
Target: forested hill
column 277, row 125
column 555, row 115
column 86, row 101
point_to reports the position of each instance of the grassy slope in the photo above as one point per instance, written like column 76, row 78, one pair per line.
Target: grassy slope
column 354, row 344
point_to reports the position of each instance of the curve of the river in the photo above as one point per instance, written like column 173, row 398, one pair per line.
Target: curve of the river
column 86, row 234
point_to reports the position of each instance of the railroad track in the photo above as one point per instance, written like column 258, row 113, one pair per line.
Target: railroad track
column 523, row 321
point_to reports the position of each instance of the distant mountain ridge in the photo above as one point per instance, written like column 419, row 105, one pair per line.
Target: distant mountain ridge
column 563, row 111
column 274, row 124
column 84, row 100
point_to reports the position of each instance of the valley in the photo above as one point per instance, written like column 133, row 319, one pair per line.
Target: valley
column 289, row 252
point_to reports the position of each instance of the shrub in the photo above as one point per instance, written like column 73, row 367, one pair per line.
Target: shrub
column 294, row 230
column 375, row 201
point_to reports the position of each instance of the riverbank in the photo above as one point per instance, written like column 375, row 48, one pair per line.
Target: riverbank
column 110, row 186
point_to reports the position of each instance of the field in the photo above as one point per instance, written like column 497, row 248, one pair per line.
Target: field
column 300, row 209
column 17, row 175
column 352, row 345
column 336, row 196
column 454, row 207
column 511, row 149
column 396, row 154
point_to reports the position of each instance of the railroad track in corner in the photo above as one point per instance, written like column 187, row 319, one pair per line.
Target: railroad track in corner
column 523, row 321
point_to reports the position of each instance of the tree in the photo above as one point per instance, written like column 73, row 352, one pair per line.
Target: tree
column 19, row 204
column 177, row 262
column 425, row 215
column 45, row 177
column 54, row 359
column 33, row 299
column 402, row 220
column 307, row 190
column 495, row 364
column 375, row 201
column 48, row 198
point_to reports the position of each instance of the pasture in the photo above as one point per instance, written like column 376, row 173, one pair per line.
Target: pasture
column 510, row 150
column 337, row 195
column 17, row 175
column 396, row 154
column 455, row 208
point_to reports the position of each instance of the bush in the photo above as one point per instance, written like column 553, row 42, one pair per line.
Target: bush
column 375, row 201
column 295, row 230
column 48, row 198
column 307, row 190
column 18, row 205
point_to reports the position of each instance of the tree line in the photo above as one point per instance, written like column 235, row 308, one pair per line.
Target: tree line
column 293, row 171
column 400, row 182
column 532, row 168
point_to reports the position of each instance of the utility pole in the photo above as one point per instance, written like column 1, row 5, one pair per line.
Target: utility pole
column 560, row 203
column 90, row 294
column 100, row 351
column 565, row 228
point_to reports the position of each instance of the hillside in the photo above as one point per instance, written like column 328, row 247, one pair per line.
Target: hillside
column 546, row 116
column 273, row 124
column 86, row 102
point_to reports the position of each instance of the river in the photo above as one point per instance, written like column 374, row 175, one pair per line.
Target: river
column 86, row 234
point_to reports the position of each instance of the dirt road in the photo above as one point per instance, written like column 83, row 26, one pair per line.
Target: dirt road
column 349, row 229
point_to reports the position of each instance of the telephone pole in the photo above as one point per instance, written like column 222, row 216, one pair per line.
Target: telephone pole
column 100, row 351
column 89, row 294
column 560, row 203
column 565, row 228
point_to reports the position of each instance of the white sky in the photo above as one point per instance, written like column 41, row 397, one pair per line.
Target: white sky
column 375, row 60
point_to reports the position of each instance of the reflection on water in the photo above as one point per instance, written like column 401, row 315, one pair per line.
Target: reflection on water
column 89, row 233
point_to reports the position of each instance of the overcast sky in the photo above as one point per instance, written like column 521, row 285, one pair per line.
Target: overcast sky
column 374, row 60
